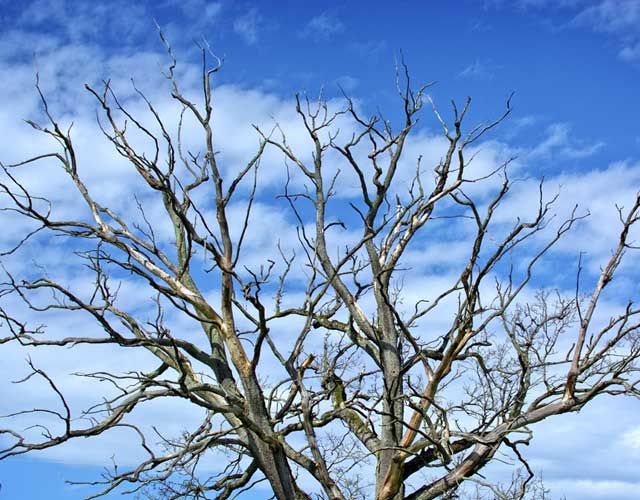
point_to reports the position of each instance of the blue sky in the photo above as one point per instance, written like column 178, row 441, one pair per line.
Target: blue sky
column 574, row 67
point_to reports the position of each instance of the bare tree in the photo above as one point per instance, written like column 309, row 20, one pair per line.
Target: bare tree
column 358, row 384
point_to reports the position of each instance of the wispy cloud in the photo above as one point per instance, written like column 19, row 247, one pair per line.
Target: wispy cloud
column 631, row 439
column 559, row 141
column 347, row 82
column 533, row 4
column 368, row 48
column 630, row 53
column 619, row 19
column 84, row 21
column 202, row 10
column 66, row 21
column 613, row 16
column 248, row 26
column 322, row 27
column 482, row 70
column 526, row 121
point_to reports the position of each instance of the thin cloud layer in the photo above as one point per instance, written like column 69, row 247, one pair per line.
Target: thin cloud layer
column 248, row 26
column 323, row 27
column 619, row 19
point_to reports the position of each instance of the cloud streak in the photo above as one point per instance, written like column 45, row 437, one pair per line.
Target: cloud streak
column 247, row 26
column 322, row 27
column 619, row 19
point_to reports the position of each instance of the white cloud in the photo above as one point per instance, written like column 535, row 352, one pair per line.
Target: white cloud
column 82, row 21
column 631, row 439
column 248, row 26
column 482, row 70
column 524, row 5
column 204, row 10
column 595, row 192
column 369, row 48
column 630, row 53
column 559, row 142
column 323, row 27
column 347, row 82
column 596, row 489
column 613, row 16
column 620, row 19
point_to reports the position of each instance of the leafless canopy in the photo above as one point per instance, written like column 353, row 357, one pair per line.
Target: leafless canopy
column 315, row 372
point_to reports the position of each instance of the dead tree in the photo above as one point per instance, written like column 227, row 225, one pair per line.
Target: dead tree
column 358, row 382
